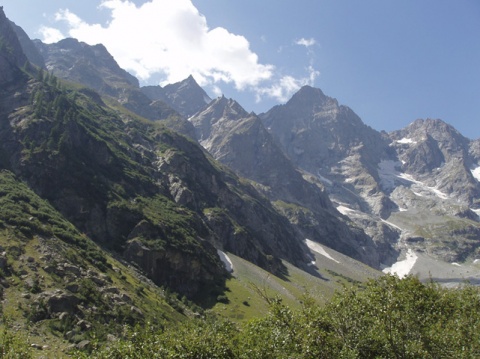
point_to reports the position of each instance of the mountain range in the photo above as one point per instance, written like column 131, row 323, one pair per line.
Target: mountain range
column 107, row 187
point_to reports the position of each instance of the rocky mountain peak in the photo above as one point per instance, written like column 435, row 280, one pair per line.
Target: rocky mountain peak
column 189, row 81
column 436, row 127
column 436, row 133
column 92, row 66
column 308, row 94
column 226, row 108
column 186, row 96
column 311, row 108
column 309, row 100
column 316, row 131
column 187, row 84
column 436, row 153
column 214, row 119
column 332, row 143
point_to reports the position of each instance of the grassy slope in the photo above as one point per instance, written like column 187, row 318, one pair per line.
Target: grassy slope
column 28, row 255
column 250, row 285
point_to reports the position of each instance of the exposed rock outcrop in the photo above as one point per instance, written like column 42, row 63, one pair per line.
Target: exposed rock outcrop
column 189, row 274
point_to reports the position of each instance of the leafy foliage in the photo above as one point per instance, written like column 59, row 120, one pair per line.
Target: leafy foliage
column 13, row 345
column 390, row 318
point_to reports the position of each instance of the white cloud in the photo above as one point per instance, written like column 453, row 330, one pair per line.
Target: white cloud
column 73, row 20
column 51, row 35
column 286, row 86
column 306, row 42
column 171, row 40
column 170, row 37
column 283, row 89
column 217, row 91
column 313, row 74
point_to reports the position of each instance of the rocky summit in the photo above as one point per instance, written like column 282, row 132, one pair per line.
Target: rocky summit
column 124, row 205
column 186, row 96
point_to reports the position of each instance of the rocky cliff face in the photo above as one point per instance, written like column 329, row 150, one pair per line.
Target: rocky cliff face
column 250, row 227
column 240, row 141
column 331, row 142
column 435, row 186
column 12, row 57
column 437, row 154
column 28, row 47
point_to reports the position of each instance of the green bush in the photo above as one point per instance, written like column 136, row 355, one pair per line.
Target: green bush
column 12, row 344
column 389, row 318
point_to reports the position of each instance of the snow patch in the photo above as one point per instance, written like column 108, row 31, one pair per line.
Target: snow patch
column 476, row 173
column 226, row 260
column 344, row 210
column 403, row 268
column 456, row 264
column 405, row 141
column 422, row 185
column 389, row 176
column 438, row 192
column 392, row 225
column 314, row 246
column 476, row 211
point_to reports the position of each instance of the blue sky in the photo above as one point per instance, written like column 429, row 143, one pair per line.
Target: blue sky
column 390, row 61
